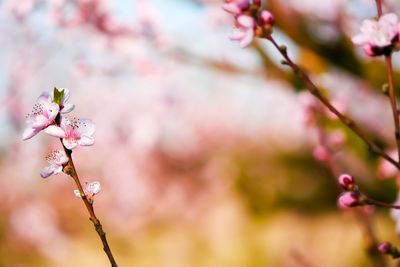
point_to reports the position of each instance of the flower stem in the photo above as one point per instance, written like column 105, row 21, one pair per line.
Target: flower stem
column 314, row 90
column 371, row 201
column 393, row 101
column 71, row 171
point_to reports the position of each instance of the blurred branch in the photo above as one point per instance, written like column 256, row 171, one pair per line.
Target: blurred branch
column 314, row 90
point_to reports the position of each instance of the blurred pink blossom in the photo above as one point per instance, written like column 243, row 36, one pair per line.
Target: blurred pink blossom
column 349, row 199
column 90, row 190
column 377, row 36
column 244, row 33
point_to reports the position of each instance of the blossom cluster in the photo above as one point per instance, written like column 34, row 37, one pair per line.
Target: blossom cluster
column 379, row 37
column 250, row 20
column 48, row 115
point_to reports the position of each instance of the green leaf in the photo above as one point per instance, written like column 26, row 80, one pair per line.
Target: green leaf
column 58, row 95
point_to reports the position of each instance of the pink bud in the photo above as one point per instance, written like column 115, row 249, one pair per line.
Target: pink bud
column 346, row 181
column 385, row 247
column 350, row 199
column 266, row 20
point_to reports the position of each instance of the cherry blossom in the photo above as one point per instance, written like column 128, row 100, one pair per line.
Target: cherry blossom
column 56, row 159
column 76, row 132
column 90, row 190
column 378, row 37
column 244, row 33
column 42, row 116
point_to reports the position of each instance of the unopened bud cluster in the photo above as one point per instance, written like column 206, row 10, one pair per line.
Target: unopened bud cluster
column 352, row 196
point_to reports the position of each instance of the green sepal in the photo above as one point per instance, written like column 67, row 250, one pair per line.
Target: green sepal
column 58, row 95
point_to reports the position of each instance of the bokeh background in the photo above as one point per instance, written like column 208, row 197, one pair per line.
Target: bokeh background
column 203, row 149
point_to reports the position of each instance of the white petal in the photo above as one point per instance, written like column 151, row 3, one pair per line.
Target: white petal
column 67, row 108
column 86, row 127
column 45, row 97
column 29, row 133
column 390, row 18
column 94, row 187
column 39, row 121
column 86, row 140
column 245, row 21
column 47, row 171
column 69, row 143
column 237, row 35
column 359, row 39
column 66, row 95
column 77, row 193
column 52, row 110
column 55, row 131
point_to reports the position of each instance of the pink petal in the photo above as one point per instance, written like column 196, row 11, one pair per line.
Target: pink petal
column 237, row 35
column 247, row 39
column 55, row 131
column 232, row 8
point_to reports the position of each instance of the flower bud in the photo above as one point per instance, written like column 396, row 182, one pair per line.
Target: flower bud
column 346, row 181
column 388, row 249
column 385, row 248
column 351, row 199
column 266, row 20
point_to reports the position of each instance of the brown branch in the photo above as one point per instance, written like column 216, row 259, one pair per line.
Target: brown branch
column 71, row 171
column 314, row 90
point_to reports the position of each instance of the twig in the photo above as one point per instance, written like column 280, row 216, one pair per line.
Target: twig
column 71, row 171
column 314, row 90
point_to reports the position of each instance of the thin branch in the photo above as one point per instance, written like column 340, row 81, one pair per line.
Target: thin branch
column 314, row 90
column 71, row 171
column 393, row 102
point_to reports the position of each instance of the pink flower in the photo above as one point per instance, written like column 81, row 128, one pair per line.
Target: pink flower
column 75, row 132
column 350, row 199
column 64, row 106
column 90, row 190
column 57, row 159
column 346, row 181
column 42, row 116
column 245, row 30
column 377, row 37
